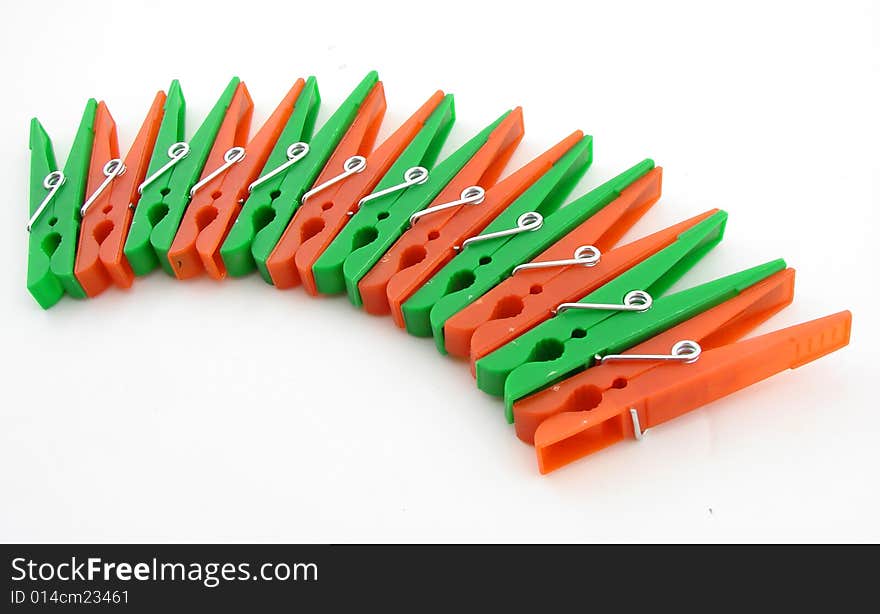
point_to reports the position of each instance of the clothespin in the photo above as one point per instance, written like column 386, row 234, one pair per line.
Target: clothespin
column 175, row 167
column 370, row 218
column 528, row 297
column 319, row 206
column 649, row 385
column 520, row 232
column 323, row 215
column 719, row 325
column 219, row 196
column 463, row 207
column 385, row 216
column 270, row 207
column 111, row 197
column 635, row 318
column 55, row 200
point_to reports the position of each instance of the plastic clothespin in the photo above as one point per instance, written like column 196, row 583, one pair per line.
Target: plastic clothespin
column 719, row 325
column 270, row 207
column 379, row 223
column 626, row 395
column 463, row 205
column 55, row 200
column 215, row 206
column 112, row 194
column 175, row 167
column 227, row 155
column 319, row 206
column 372, row 216
column 320, row 219
column 555, row 358
column 504, row 244
column 572, row 267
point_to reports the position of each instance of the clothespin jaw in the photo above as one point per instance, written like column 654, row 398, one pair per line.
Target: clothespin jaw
column 175, row 167
column 100, row 261
column 462, row 205
column 267, row 212
column 674, row 389
column 481, row 266
column 210, row 216
column 369, row 222
column 351, row 172
column 528, row 296
column 715, row 327
column 55, row 199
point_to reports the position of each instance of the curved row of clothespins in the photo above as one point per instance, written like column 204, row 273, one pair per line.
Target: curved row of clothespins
column 572, row 330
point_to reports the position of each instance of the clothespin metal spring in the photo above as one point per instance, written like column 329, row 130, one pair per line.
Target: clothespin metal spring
column 176, row 152
column 415, row 175
column 636, row 300
column 232, row 155
column 685, row 351
column 295, row 153
column 473, row 195
column 527, row 222
column 587, row 255
column 352, row 166
column 52, row 182
column 112, row 169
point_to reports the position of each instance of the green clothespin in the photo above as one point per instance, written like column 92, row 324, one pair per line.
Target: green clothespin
column 375, row 227
column 55, row 200
column 175, row 167
column 299, row 129
column 487, row 259
column 267, row 212
column 621, row 312
column 408, row 173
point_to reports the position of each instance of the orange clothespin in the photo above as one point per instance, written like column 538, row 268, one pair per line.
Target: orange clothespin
column 350, row 174
column 429, row 243
column 681, row 369
column 230, row 168
column 112, row 192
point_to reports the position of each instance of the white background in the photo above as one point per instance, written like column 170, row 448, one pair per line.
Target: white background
column 201, row 411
